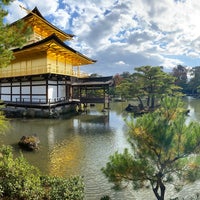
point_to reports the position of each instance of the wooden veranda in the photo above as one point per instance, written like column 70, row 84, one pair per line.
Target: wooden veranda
column 92, row 90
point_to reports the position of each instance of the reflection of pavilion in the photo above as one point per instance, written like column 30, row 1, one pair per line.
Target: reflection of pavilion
column 64, row 148
column 93, row 119
column 64, row 157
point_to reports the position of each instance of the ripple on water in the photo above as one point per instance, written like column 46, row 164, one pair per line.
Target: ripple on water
column 81, row 146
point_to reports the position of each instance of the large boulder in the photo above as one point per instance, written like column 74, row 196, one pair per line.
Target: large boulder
column 29, row 142
column 132, row 108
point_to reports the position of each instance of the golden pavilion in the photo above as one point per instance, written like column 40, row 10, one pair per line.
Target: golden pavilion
column 45, row 73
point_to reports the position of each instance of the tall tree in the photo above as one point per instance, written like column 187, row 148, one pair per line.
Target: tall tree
column 194, row 82
column 165, row 150
column 125, row 74
column 148, row 84
column 117, row 79
column 153, row 83
column 181, row 76
column 11, row 36
column 14, row 35
column 180, row 72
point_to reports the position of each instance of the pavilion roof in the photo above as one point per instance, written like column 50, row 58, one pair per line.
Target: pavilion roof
column 35, row 17
column 94, row 81
column 55, row 47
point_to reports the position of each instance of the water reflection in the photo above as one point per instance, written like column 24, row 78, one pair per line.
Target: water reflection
column 81, row 145
column 51, row 136
column 193, row 105
column 65, row 157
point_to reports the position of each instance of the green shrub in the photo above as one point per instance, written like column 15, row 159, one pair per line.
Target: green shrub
column 64, row 189
column 20, row 180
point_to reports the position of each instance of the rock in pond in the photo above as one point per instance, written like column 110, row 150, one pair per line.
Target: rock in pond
column 29, row 142
column 131, row 108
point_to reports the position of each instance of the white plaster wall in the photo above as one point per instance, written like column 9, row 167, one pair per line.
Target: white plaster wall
column 52, row 92
column 15, row 98
column 39, row 98
column 16, row 90
column 38, row 90
column 61, row 91
column 25, row 98
column 6, row 90
column 25, row 90
column 5, row 97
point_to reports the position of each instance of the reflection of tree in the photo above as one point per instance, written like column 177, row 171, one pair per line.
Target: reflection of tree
column 193, row 104
column 119, row 107
column 95, row 119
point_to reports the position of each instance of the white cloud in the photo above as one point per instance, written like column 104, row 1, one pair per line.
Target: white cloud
column 125, row 32
column 120, row 63
column 46, row 7
column 61, row 19
column 15, row 11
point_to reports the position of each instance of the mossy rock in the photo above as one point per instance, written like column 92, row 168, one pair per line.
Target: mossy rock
column 29, row 142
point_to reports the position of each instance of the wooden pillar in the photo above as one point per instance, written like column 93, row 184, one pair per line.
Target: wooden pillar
column 67, row 95
column 108, row 97
column 20, row 90
column 31, row 90
column 71, row 92
column 80, row 92
column 47, row 93
column 11, row 90
column 57, row 88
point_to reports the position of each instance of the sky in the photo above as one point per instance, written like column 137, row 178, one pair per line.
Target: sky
column 124, row 34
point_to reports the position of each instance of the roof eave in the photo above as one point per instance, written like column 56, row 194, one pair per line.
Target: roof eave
column 37, row 13
column 60, row 42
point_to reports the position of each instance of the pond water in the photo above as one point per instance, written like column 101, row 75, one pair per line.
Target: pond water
column 81, row 145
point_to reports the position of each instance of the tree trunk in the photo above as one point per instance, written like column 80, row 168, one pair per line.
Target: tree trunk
column 152, row 101
column 148, row 101
column 141, row 105
column 159, row 190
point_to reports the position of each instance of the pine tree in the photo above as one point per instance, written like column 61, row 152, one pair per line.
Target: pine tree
column 11, row 35
column 165, row 150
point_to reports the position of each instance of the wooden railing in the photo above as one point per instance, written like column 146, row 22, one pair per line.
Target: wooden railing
column 40, row 101
column 42, row 69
